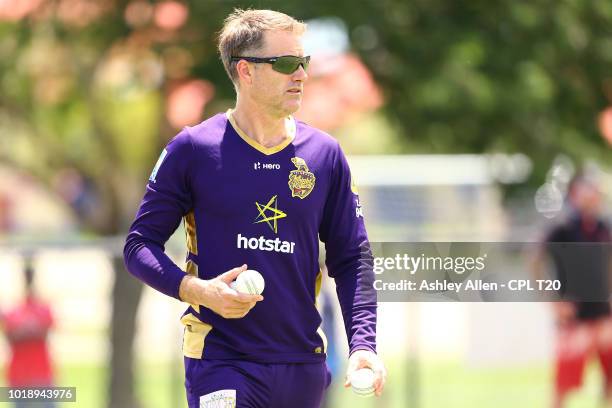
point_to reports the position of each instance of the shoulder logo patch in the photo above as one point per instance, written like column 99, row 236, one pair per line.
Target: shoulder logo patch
column 153, row 175
column 301, row 180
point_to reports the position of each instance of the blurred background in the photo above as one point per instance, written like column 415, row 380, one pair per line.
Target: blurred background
column 463, row 121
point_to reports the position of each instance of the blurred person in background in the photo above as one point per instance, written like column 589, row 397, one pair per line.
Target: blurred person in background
column 583, row 314
column 5, row 213
column 257, row 187
column 26, row 327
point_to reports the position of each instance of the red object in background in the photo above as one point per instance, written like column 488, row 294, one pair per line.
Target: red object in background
column 5, row 213
column 14, row 10
column 577, row 342
column 605, row 124
column 339, row 89
column 170, row 15
column 26, row 327
column 186, row 101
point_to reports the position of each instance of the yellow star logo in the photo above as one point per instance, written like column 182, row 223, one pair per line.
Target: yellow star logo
column 272, row 217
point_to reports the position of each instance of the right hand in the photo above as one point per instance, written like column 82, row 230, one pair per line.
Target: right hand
column 218, row 296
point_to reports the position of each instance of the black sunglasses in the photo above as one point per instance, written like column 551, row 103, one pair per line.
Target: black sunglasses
column 287, row 64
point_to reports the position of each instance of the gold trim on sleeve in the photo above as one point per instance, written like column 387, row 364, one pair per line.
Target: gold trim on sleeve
column 190, row 232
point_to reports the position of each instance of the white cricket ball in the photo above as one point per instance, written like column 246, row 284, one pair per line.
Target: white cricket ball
column 250, row 282
column 362, row 382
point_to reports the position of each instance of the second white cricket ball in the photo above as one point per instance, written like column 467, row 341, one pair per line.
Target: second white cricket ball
column 362, row 381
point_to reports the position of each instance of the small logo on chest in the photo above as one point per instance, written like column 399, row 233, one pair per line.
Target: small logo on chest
column 301, row 180
column 266, row 166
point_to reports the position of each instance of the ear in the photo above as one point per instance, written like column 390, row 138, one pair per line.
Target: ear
column 245, row 72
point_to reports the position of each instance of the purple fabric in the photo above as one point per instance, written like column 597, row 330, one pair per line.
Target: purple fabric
column 234, row 190
column 256, row 385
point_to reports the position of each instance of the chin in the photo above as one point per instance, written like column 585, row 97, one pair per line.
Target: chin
column 291, row 108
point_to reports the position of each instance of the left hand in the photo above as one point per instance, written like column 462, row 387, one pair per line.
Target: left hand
column 366, row 358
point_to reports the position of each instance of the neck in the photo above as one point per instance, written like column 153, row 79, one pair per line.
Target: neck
column 266, row 129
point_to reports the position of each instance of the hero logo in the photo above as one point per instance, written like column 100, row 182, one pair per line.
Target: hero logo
column 270, row 214
column 266, row 166
column 358, row 209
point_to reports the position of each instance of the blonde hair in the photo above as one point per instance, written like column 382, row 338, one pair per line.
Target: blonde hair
column 243, row 32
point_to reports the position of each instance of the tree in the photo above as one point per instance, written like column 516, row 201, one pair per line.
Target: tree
column 82, row 103
column 85, row 86
column 477, row 76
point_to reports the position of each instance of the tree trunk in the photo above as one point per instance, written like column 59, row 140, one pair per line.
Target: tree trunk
column 126, row 296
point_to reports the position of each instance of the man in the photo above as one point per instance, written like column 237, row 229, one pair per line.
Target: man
column 580, row 253
column 26, row 328
column 256, row 187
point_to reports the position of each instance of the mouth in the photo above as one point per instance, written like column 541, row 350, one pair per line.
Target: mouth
column 295, row 91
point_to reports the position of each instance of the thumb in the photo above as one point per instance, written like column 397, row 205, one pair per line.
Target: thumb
column 349, row 371
column 230, row 275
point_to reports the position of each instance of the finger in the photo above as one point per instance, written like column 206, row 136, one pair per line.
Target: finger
column 349, row 372
column 352, row 366
column 233, row 298
column 230, row 275
column 247, row 298
column 234, row 314
column 240, row 307
column 236, row 301
column 381, row 381
column 378, row 386
column 247, row 306
column 364, row 364
column 237, row 310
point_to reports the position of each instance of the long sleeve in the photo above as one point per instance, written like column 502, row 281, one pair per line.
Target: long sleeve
column 349, row 257
column 167, row 199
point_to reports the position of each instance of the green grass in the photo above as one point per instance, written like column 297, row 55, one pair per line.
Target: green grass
column 450, row 385
column 157, row 385
column 435, row 385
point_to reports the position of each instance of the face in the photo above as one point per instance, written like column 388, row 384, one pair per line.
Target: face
column 278, row 94
column 586, row 198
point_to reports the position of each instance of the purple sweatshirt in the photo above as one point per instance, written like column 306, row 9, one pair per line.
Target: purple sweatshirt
column 267, row 207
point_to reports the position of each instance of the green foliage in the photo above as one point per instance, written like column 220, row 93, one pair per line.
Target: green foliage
column 458, row 76
column 476, row 76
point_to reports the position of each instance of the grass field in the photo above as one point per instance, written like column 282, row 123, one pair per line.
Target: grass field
column 437, row 385
column 449, row 385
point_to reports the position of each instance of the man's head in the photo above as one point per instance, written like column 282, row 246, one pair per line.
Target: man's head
column 584, row 194
column 264, row 34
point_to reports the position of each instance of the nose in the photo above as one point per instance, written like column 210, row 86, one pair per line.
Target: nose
column 300, row 74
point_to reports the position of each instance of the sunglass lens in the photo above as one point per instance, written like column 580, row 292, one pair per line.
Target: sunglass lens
column 289, row 64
